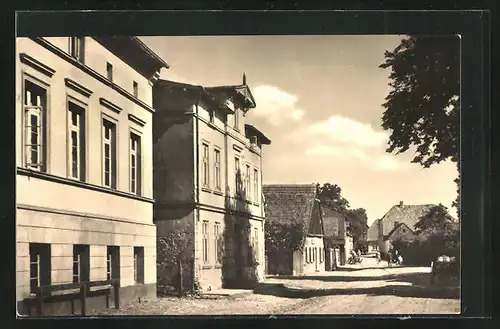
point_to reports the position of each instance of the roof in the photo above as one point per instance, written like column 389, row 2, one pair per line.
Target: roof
column 216, row 96
column 408, row 214
column 332, row 221
column 396, row 227
column 252, row 131
column 241, row 92
column 290, row 204
column 133, row 51
column 372, row 233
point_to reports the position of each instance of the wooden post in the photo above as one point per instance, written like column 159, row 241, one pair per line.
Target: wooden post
column 83, row 298
column 181, row 279
column 39, row 301
column 116, row 286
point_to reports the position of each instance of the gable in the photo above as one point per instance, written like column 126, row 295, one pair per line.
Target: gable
column 315, row 225
column 399, row 231
column 334, row 223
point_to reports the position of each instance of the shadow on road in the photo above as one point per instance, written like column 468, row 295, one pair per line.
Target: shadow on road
column 343, row 278
column 419, row 287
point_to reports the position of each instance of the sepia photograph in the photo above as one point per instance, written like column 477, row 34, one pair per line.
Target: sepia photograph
column 230, row 175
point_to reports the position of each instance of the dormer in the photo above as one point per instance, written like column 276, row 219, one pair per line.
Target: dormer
column 256, row 137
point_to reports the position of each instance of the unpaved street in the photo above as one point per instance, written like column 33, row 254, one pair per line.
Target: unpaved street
column 371, row 289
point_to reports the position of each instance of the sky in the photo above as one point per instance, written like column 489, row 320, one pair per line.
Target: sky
column 319, row 99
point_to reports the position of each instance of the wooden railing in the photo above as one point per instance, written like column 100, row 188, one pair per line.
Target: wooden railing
column 44, row 293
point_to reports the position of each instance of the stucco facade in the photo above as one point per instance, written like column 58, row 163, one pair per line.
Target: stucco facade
column 313, row 256
column 198, row 147
column 74, row 191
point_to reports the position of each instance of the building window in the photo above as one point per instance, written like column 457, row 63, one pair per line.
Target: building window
column 218, row 183
column 256, row 185
column 204, row 232
column 81, row 263
column 109, row 71
column 76, row 132
column 206, row 173
column 109, row 154
column 76, row 47
column 321, row 255
column 247, row 182
column 237, row 175
column 35, row 98
column 113, row 262
column 136, row 89
column 139, row 264
column 135, row 164
column 39, row 265
column 310, row 255
column 218, row 243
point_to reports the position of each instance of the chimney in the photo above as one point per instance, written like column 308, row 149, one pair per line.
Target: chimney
column 244, row 78
column 401, row 203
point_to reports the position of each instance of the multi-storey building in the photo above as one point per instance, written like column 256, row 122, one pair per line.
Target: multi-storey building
column 84, row 164
column 208, row 183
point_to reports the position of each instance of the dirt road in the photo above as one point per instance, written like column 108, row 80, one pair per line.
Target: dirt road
column 371, row 289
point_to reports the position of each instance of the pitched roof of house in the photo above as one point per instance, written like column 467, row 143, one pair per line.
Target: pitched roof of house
column 332, row 221
column 372, row 233
column 396, row 227
column 401, row 213
column 290, row 203
column 131, row 47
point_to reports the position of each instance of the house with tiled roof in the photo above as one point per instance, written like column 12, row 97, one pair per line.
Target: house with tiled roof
column 398, row 222
column 338, row 243
column 293, row 229
column 372, row 236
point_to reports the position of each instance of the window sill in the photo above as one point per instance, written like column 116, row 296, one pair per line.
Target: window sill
column 206, row 267
column 218, row 266
column 248, row 201
column 256, row 204
column 218, row 192
column 206, row 189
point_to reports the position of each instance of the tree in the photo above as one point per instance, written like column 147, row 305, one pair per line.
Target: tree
column 357, row 219
column 330, row 196
column 358, row 226
column 437, row 219
column 422, row 109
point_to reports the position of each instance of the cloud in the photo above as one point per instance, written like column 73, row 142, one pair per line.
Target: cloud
column 350, row 155
column 349, row 141
column 345, row 130
column 276, row 106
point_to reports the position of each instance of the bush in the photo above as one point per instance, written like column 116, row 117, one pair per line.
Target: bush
column 172, row 248
column 427, row 246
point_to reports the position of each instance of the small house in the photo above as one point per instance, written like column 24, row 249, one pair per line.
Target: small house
column 293, row 229
column 399, row 222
